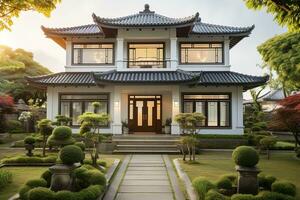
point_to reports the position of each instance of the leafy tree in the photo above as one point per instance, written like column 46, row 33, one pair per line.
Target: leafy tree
column 62, row 120
column 286, row 12
column 10, row 9
column 287, row 117
column 6, row 106
column 45, row 130
column 267, row 143
column 90, row 129
column 14, row 66
column 281, row 54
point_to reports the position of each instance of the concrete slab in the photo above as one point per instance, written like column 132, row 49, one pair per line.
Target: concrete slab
column 147, row 188
column 146, row 177
column 144, row 196
column 146, row 182
column 146, row 169
column 146, row 165
column 146, row 172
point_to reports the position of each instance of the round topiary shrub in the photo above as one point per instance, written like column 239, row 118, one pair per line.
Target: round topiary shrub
column 95, row 177
column 47, row 175
column 29, row 140
column 70, row 154
column 265, row 182
column 90, row 193
column 41, row 193
column 37, row 183
column 81, row 145
column 284, row 187
column 23, row 192
column 267, row 195
column 214, row 195
column 62, row 132
column 224, row 183
column 245, row 156
column 243, row 197
column 65, row 195
column 202, row 186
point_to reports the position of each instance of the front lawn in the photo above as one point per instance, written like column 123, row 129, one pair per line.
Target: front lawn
column 214, row 164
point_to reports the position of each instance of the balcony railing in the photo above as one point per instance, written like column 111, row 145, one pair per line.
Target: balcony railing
column 148, row 64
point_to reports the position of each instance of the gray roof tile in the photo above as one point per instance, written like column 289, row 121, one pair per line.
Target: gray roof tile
column 90, row 29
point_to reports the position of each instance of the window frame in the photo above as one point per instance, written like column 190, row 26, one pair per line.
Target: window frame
column 152, row 42
column 94, row 64
column 202, row 63
column 206, row 107
column 82, row 106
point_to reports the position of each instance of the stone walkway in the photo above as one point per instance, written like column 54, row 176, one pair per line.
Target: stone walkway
column 149, row 177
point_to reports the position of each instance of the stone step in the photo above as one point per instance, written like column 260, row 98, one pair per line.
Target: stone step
column 146, row 151
column 146, row 145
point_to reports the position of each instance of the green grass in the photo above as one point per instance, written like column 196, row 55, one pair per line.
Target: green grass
column 20, row 176
column 214, row 164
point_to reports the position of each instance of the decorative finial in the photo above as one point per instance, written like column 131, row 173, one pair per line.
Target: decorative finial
column 147, row 8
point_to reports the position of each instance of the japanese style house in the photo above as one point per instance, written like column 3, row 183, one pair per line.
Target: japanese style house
column 146, row 68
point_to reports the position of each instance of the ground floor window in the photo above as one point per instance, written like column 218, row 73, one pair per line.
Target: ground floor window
column 73, row 105
column 215, row 107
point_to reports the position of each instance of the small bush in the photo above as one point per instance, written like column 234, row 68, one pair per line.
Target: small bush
column 224, row 183
column 202, row 186
column 90, row 193
column 5, row 178
column 14, row 126
column 37, row 183
column 81, row 145
column 29, row 140
column 102, row 163
column 47, row 175
column 245, row 156
column 62, row 132
column 52, row 141
column 95, row 177
column 65, row 195
column 243, row 197
column 267, row 195
column 40, row 193
column 23, row 192
column 284, row 187
column 231, row 177
column 25, row 159
column 266, row 181
column 214, row 195
column 71, row 154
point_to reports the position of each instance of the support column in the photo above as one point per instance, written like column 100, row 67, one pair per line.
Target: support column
column 239, row 95
column 175, row 130
column 226, row 52
column 173, row 53
column 116, row 121
column 120, row 54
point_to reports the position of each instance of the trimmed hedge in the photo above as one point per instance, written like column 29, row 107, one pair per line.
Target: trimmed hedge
column 243, row 197
column 37, row 183
column 202, row 186
column 41, row 193
column 224, row 183
column 62, row 132
column 265, row 181
column 231, row 177
column 47, row 175
column 71, row 154
column 29, row 140
column 23, row 192
column 214, row 195
column 25, row 159
column 245, row 156
column 65, row 195
column 284, row 187
column 90, row 193
column 5, row 178
column 267, row 195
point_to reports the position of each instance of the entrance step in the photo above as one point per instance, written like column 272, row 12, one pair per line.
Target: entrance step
column 146, row 144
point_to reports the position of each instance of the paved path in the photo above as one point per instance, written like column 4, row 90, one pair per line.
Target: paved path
column 149, row 177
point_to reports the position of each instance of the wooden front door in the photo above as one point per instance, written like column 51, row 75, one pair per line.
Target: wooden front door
column 144, row 113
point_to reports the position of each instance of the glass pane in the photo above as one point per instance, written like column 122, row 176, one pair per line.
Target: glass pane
column 206, row 96
column 88, row 107
column 200, row 108
column 139, row 105
column 65, row 109
column 150, row 105
column 77, row 110
column 83, row 97
column 224, row 113
column 131, row 110
column 212, row 114
column 188, row 107
column 158, row 110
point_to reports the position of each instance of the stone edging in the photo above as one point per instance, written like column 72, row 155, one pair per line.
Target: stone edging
column 26, row 164
column 186, row 180
column 108, row 177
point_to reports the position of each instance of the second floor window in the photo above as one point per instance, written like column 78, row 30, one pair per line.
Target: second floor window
column 195, row 53
column 93, row 54
column 146, row 55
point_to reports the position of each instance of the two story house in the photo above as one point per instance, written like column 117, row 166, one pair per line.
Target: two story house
column 146, row 68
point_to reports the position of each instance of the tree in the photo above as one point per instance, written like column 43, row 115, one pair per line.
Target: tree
column 267, row 143
column 286, row 12
column 287, row 117
column 281, row 54
column 45, row 130
column 6, row 106
column 10, row 9
column 14, row 66
column 90, row 129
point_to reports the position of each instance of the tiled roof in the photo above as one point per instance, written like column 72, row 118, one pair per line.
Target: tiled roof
column 204, row 28
column 90, row 29
column 205, row 78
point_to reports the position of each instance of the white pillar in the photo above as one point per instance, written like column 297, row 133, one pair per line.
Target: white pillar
column 175, row 130
column 120, row 54
column 68, row 53
column 173, row 53
column 116, row 121
column 239, row 104
column 226, row 52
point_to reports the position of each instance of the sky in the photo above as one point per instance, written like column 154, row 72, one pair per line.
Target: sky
column 27, row 34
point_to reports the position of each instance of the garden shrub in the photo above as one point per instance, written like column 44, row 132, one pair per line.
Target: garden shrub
column 224, row 183
column 266, row 181
column 47, row 175
column 40, row 193
column 243, row 197
column 245, row 156
column 71, row 154
column 23, row 192
column 231, row 177
column 202, row 186
column 37, row 183
column 14, row 126
column 81, row 145
column 99, row 162
column 267, row 195
column 214, row 195
column 284, row 187
column 5, row 178
column 29, row 140
column 65, row 195
column 95, row 177
column 62, row 132
column 25, row 159
column 90, row 193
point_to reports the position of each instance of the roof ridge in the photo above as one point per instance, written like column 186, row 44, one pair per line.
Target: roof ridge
column 68, row 27
column 226, row 26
